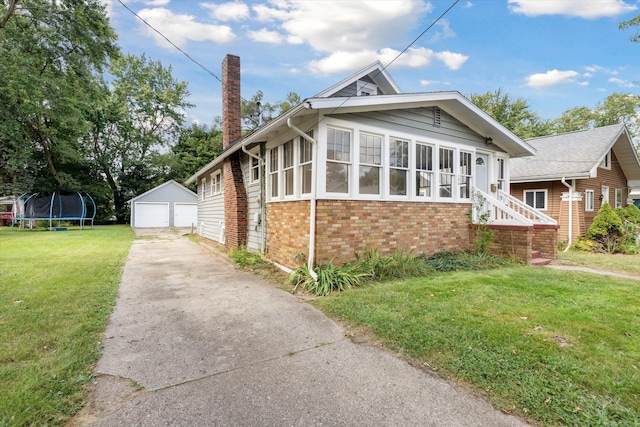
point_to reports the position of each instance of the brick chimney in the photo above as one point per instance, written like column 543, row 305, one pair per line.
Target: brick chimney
column 235, row 194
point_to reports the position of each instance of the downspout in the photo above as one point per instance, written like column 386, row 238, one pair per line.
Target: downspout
column 262, row 195
column 570, row 187
column 312, row 207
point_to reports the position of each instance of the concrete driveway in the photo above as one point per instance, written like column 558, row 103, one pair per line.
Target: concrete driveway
column 194, row 342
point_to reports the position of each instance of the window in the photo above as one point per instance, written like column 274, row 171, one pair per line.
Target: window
column 203, row 188
column 605, row 195
column 398, row 167
column 216, row 183
column 536, row 198
column 466, row 170
column 273, row 172
column 370, row 163
column 287, row 167
column 424, row 170
column 606, row 162
column 589, row 200
column 255, row 170
column 618, row 197
column 306, row 159
column 446, row 173
column 501, row 175
column 338, row 160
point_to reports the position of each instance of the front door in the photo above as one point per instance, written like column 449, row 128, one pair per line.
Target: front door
column 482, row 172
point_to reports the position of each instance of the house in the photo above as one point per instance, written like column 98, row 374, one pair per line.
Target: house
column 362, row 164
column 167, row 205
column 574, row 173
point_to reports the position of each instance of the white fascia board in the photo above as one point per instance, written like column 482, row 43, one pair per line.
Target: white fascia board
column 546, row 178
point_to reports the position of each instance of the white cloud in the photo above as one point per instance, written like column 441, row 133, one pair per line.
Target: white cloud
column 444, row 32
column 266, row 36
column 623, row 83
column 433, row 82
column 181, row 28
column 551, row 78
column 580, row 8
column 156, row 2
column 232, row 11
column 452, row 60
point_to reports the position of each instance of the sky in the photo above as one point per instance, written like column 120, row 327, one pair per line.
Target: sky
column 555, row 54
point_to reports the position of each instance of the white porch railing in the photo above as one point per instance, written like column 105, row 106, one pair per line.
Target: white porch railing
column 505, row 210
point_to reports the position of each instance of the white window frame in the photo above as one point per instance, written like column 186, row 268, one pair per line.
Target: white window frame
column 535, row 191
column 216, row 183
column 254, row 170
column 372, row 160
column 273, row 161
column 618, row 200
column 589, row 200
column 348, row 164
column 288, row 162
column 399, row 166
column 446, row 172
column 470, row 166
column 305, row 156
column 606, row 162
column 424, row 174
column 605, row 195
column 501, row 163
column 203, row 188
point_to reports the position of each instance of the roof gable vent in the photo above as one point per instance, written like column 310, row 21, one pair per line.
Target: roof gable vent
column 437, row 115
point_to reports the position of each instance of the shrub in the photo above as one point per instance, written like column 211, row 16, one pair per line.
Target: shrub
column 330, row 278
column 481, row 234
column 605, row 229
column 400, row 265
column 586, row 245
column 246, row 259
column 630, row 213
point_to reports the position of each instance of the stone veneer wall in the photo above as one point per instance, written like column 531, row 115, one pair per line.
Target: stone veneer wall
column 345, row 227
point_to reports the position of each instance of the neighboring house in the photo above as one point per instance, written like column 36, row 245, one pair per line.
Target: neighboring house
column 167, row 205
column 363, row 165
column 590, row 167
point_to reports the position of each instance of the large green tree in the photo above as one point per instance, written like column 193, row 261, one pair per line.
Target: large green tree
column 514, row 114
column 255, row 111
column 136, row 117
column 51, row 53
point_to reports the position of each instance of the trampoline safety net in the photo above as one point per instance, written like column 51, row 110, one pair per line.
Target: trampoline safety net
column 55, row 207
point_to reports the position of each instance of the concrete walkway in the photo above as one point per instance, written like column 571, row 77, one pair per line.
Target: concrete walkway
column 194, row 342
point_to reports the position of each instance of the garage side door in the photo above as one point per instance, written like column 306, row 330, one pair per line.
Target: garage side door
column 185, row 214
column 151, row 215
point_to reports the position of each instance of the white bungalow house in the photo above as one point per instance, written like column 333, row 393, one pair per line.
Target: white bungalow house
column 363, row 164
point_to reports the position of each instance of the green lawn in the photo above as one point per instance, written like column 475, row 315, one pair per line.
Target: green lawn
column 559, row 348
column 57, row 290
column 628, row 264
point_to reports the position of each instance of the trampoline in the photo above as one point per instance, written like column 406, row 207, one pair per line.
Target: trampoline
column 54, row 207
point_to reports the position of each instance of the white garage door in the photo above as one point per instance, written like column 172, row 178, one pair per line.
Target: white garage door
column 185, row 214
column 151, row 215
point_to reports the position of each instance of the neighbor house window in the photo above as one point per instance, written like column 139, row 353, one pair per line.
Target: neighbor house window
column 216, row 183
column 273, row 172
column 606, row 162
column 589, row 200
column 604, row 194
column 618, row 197
column 446, row 172
column 338, row 160
column 306, row 164
column 398, row 167
column 424, row 170
column 536, row 198
column 465, row 174
column 255, row 170
column 370, row 163
column 287, row 167
column 501, row 175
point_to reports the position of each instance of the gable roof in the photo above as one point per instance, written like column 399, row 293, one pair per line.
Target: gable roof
column 171, row 182
column 327, row 102
column 576, row 155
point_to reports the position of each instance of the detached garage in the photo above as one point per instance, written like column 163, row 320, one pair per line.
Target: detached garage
column 168, row 205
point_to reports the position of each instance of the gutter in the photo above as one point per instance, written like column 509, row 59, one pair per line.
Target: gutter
column 570, row 187
column 312, row 216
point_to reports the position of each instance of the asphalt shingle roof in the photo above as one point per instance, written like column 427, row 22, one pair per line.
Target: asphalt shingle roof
column 569, row 155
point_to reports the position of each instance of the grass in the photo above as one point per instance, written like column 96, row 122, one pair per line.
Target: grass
column 57, row 290
column 558, row 348
column 629, row 264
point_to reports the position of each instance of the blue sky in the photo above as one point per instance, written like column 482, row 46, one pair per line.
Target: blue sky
column 555, row 54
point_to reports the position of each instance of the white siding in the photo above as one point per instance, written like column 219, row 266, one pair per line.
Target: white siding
column 211, row 217
column 254, row 230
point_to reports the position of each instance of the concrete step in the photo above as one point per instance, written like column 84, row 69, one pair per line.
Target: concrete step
column 538, row 262
column 535, row 254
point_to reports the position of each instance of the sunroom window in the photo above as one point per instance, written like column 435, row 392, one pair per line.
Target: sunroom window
column 338, row 160
column 370, row 163
column 287, row 167
column 398, row 167
column 446, row 172
column 424, row 170
column 273, row 172
column 306, row 159
column 466, row 170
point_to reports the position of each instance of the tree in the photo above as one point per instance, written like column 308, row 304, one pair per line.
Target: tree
column 515, row 115
column 135, row 118
column 255, row 112
column 50, row 55
column 605, row 229
column 633, row 22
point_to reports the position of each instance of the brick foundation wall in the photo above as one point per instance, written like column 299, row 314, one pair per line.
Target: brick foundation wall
column 512, row 241
column 545, row 240
column 345, row 227
column 288, row 232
